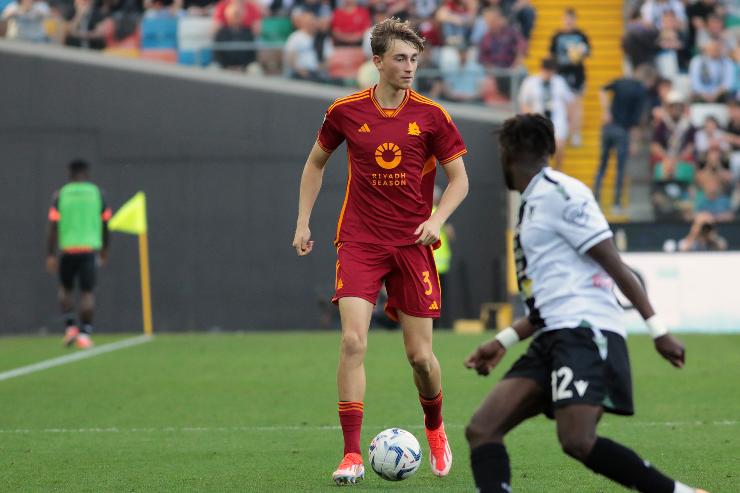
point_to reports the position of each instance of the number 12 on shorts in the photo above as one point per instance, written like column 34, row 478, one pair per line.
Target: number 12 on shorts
column 561, row 391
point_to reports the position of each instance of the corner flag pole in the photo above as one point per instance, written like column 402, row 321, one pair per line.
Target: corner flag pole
column 146, row 292
column 131, row 219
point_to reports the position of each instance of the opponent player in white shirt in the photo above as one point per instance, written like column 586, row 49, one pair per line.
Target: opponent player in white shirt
column 577, row 366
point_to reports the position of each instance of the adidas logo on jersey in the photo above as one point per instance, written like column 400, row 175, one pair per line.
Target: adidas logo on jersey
column 434, row 305
column 364, row 129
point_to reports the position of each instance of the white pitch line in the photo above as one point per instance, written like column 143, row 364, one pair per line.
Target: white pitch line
column 69, row 358
column 251, row 429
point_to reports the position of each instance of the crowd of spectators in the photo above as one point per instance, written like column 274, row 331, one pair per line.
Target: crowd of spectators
column 694, row 111
column 681, row 58
column 475, row 47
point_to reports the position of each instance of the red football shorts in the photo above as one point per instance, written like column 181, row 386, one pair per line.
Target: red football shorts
column 409, row 273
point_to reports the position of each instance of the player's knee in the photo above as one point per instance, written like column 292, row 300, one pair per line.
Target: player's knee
column 421, row 362
column 481, row 431
column 353, row 344
column 577, row 445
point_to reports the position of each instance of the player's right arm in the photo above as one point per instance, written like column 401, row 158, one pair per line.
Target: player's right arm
column 606, row 254
column 489, row 354
column 52, row 235
column 313, row 173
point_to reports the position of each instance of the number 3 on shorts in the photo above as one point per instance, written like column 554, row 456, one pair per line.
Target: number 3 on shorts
column 561, row 391
column 427, row 282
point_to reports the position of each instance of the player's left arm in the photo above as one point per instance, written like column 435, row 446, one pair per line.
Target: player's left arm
column 488, row 355
column 606, row 254
column 454, row 194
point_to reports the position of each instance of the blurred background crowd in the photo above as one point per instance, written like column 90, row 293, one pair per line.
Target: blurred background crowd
column 675, row 108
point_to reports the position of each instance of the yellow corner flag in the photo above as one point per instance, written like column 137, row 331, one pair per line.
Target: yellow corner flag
column 131, row 217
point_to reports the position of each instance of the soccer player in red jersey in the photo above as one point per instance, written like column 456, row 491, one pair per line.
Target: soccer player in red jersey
column 386, row 229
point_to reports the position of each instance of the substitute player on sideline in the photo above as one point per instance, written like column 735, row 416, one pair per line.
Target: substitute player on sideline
column 78, row 225
column 577, row 365
column 386, row 228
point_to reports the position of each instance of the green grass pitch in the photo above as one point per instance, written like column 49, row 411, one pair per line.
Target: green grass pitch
column 257, row 412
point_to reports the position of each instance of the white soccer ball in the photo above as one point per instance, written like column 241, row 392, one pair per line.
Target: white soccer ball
column 395, row 454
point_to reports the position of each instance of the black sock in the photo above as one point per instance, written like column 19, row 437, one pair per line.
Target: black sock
column 491, row 470
column 69, row 319
column 624, row 466
column 86, row 329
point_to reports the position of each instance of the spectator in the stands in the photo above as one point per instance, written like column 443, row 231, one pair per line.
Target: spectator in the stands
column 85, row 27
column 711, row 136
column 620, row 117
column 652, row 11
column 671, row 42
column 715, row 31
column 300, row 54
column 25, row 20
column 570, row 47
column 697, row 13
column 703, row 236
column 349, row 23
column 463, row 77
column 322, row 12
column 657, row 96
column 232, row 32
column 523, row 16
column 547, row 93
column 712, row 196
column 456, row 18
column 640, row 41
column 672, row 157
column 732, row 134
column 251, row 15
column 422, row 10
column 712, row 75
column 501, row 47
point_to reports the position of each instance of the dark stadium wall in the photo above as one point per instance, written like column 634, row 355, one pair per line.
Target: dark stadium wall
column 219, row 157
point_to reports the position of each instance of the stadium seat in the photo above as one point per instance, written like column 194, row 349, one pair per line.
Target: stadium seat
column 698, row 112
column 195, row 41
column 159, row 33
column 345, row 62
column 162, row 55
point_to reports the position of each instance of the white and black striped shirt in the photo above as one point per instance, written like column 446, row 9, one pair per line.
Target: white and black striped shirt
column 563, row 287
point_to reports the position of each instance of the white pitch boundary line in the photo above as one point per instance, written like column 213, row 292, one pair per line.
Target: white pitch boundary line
column 69, row 358
column 212, row 429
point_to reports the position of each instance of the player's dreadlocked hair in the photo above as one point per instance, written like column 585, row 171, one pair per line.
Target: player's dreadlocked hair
column 528, row 137
column 386, row 31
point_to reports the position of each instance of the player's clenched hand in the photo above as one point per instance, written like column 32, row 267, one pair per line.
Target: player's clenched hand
column 51, row 264
column 671, row 349
column 486, row 357
column 428, row 232
column 302, row 241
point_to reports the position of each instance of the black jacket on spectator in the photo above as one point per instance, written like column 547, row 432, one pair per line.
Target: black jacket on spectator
column 234, row 57
column 628, row 101
column 88, row 24
column 640, row 43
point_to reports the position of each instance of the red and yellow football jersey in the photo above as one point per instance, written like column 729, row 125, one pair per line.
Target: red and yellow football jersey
column 392, row 157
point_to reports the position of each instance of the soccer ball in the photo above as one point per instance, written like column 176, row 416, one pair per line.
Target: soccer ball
column 395, row 454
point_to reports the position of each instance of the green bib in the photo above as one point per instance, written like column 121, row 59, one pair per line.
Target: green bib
column 80, row 224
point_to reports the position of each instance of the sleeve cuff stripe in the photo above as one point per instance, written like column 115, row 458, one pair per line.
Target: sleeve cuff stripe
column 453, row 157
column 593, row 239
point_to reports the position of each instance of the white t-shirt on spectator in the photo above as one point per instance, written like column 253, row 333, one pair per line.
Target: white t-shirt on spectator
column 301, row 44
column 554, row 100
column 27, row 26
column 652, row 11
